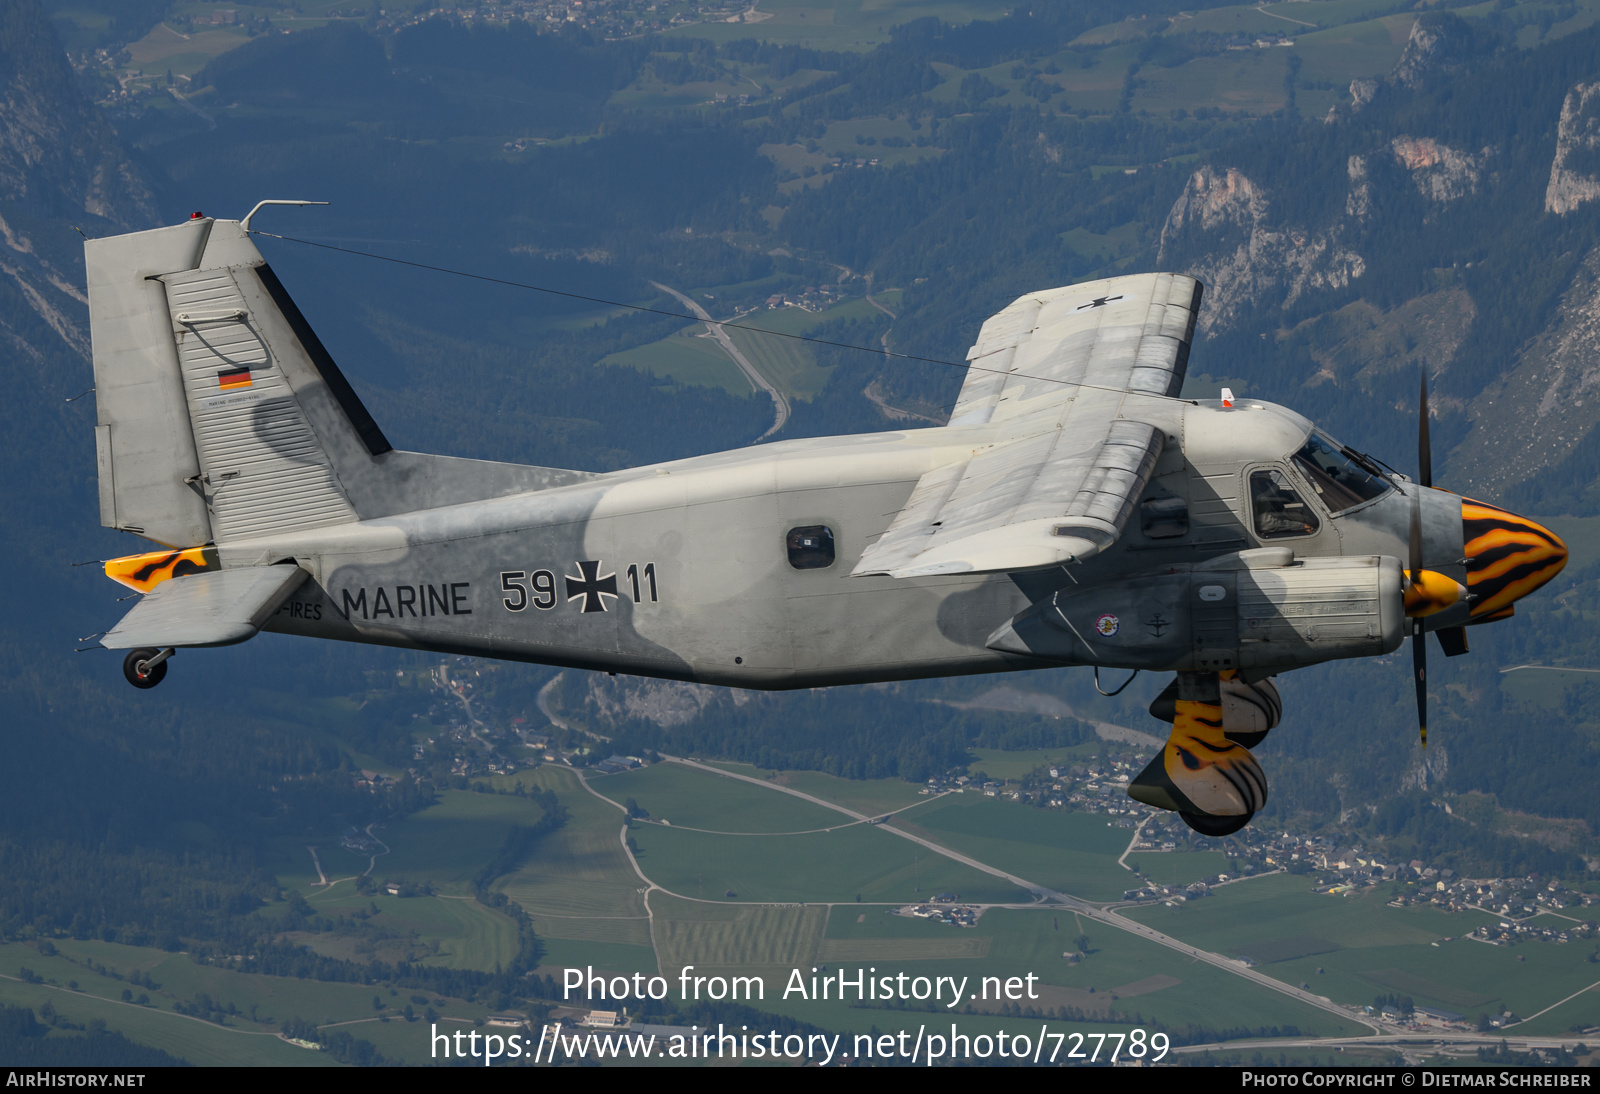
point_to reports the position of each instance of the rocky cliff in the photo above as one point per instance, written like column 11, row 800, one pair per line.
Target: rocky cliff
column 1439, row 41
column 1440, row 173
column 1575, row 171
column 1545, row 404
column 1223, row 229
column 61, row 167
column 1245, row 257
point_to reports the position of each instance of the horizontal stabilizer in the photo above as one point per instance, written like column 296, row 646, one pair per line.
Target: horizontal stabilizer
column 211, row 609
column 1061, row 377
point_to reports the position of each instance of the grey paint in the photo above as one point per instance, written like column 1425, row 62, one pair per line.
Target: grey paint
column 219, row 608
column 684, row 565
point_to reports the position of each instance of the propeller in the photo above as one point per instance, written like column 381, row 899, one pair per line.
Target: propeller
column 1419, row 637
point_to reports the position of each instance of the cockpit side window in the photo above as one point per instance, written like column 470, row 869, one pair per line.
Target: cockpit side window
column 1340, row 481
column 1279, row 509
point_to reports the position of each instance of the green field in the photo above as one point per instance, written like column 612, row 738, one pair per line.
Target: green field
column 870, row 797
column 578, row 884
column 1178, row 867
column 788, row 364
column 841, row 139
column 840, row 24
column 736, row 937
column 825, row 866
column 1249, row 82
column 686, row 358
column 249, row 1037
column 1015, row 765
column 200, row 1043
column 1071, row 852
column 447, row 843
column 1547, row 687
column 1140, row 979
column 447, row 931
column 693, row 357
column 1345, row 53
column 688, row 797
column 563, row 953
column 1365, row 948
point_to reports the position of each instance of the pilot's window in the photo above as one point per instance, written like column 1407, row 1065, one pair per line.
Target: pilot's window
column 1164, row 518
column 811, row 547
column 1279, row 509
column 1339, row 480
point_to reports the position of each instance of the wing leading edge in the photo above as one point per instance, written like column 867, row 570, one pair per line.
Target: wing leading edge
column 1058, row 373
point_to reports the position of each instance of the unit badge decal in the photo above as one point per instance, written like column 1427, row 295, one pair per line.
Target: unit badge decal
column 1107, row 625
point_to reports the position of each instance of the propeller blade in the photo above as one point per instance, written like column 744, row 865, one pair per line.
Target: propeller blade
column 1419, row 637
column 1416, row 535
column 1419, row 667
column 1424, row 449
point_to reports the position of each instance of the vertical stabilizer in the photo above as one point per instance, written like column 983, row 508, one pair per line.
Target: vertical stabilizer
column 221, row 415
column 268, row 423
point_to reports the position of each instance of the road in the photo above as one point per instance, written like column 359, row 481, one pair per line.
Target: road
column 1042, row 894
column 1111, row 917
column 780, row 402
column 544, row 703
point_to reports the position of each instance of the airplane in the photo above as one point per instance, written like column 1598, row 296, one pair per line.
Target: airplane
column 1074, row 511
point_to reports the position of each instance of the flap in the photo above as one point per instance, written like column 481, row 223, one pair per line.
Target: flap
column 210, row 609
column 1036, row 502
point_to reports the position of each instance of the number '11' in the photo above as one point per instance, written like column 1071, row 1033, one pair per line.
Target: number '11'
column 649, row 575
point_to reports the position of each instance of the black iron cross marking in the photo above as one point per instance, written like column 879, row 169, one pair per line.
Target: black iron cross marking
column 592, row 587
column 1098, row 302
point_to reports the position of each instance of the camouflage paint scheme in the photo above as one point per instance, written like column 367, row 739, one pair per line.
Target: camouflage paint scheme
column 1009, row 539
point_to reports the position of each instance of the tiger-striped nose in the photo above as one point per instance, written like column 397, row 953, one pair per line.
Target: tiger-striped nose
column 1510, row 556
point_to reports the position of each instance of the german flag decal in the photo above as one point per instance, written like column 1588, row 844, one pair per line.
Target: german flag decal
column 234, row 379
column 142, row 573
column 1511, row 557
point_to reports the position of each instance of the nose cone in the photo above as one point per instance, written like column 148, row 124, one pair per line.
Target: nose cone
column 1511, row 556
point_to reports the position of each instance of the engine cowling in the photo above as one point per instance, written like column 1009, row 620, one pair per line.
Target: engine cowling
column 1253, row 610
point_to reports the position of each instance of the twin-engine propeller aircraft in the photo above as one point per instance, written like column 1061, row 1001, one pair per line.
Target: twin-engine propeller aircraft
column 1074, row 511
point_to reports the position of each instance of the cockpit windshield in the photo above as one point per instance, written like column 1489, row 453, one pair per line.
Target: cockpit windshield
column 1340, row 479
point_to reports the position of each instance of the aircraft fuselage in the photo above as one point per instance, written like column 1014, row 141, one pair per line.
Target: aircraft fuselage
column 685, row 570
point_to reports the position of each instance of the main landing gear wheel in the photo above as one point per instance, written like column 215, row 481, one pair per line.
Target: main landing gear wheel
column 145, row 668
column 1215, row 826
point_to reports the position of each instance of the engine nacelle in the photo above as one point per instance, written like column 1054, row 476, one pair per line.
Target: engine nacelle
column 1262, row 609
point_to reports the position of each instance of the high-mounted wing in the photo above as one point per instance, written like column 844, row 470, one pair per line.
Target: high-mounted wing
column 1056, row 371
column 211, row 609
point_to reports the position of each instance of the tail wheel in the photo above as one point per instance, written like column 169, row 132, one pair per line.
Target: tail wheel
column 141, row 674
column 1208, row 825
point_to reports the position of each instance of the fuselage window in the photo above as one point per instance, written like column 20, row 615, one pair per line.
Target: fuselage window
column 1280, row 511
column 1164, row 518
column 1340, row 481
column 811, row 547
